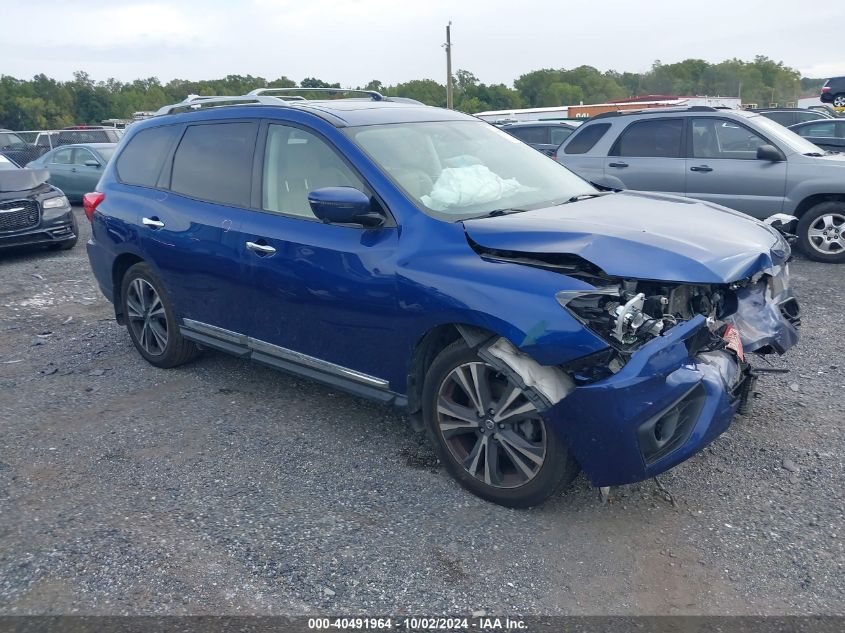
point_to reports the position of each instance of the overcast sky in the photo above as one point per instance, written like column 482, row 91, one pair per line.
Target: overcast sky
column 354, row 41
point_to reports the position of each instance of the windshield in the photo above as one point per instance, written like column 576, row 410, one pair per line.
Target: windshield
column 456, row 170
column 10, row 138
column 783, row 136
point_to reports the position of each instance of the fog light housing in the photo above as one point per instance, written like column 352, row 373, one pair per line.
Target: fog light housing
column 669, row 429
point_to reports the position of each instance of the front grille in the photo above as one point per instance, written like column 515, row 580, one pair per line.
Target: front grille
column 16, row 215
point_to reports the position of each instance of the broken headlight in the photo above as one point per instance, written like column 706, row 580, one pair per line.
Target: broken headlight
column 633, row 312
column 618, row 317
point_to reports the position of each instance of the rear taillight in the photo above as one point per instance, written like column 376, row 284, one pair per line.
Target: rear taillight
column 90, row 201
column 825, row 88
column 553, row 156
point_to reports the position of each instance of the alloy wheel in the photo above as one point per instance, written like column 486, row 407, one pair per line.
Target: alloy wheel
column 490, row 427
column 827, row 233
column 147, row 317
column 839, row 101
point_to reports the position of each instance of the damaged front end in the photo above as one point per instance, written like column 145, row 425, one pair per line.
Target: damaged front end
column 674, row 373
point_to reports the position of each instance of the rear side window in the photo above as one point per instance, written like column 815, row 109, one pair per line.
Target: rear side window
column 586, row 138
column 784, row 118
column 560, row 134
column 539, row 135
column 214, row 162
column 659, row 138
column 140, row 162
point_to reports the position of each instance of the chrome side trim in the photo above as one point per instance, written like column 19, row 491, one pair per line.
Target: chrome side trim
column 217, row 332
column 263, row 347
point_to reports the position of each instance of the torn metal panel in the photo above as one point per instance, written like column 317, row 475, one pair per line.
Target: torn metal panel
column 544, row 385
column 767, row 315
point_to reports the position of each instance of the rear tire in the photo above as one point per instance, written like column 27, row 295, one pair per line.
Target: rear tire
column 821, row 232
column 150, row 320
column 514, row 432
column 839, row 100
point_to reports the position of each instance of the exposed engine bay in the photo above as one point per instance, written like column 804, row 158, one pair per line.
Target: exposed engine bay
column 632, row 312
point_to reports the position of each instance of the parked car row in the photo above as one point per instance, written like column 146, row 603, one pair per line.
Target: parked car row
column 15, row 146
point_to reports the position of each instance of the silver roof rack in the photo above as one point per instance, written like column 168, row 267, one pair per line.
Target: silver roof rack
column 375, row 96
column 194, row 102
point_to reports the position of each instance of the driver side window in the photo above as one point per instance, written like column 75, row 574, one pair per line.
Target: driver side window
column 720, row 138
column 297, row 162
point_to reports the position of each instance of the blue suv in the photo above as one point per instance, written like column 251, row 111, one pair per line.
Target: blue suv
column 425, row 259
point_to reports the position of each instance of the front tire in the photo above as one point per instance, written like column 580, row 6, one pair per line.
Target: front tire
column 821, row 232
column 491, row 439
column 150, row 320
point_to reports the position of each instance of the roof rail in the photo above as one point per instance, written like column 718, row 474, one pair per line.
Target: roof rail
column 614, row 113
column 195, row 102
column 375, row 96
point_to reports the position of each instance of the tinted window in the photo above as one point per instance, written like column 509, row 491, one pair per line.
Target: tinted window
column 536, row 134
column 9, row 138
column 560, row 134
column 656, row 138
column 808, row 116
column 826, row 129
column 214, row 162
column 297, row 162
column 784, row 118
column 586, row 138
column 719, row 138
column 140, row 162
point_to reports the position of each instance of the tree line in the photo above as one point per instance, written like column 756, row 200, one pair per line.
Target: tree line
column 44, row 103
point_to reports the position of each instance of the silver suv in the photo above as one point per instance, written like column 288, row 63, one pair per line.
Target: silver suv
column 729, row 157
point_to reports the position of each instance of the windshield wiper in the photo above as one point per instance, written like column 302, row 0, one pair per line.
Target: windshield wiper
column 497, row 212
column 584, row 196
column 814, row 154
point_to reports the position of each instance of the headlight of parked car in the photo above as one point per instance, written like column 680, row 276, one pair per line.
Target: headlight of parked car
column 59, row 202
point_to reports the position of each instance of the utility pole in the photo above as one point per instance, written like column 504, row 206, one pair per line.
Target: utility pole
column 449, row 100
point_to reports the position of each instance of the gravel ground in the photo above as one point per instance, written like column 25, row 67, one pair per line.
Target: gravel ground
column 226, row 487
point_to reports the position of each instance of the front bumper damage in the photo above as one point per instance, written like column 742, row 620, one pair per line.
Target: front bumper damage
column 674, row 396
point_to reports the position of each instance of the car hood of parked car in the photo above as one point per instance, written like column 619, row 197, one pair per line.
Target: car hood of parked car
column 22, row 179
column 638, row 235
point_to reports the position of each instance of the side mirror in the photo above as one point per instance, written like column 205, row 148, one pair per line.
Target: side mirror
column 344, row 205
column 91, row 163
column 769, row 152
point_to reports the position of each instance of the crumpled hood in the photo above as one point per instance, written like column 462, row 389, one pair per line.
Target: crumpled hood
column 641, row 235
column 22, row 179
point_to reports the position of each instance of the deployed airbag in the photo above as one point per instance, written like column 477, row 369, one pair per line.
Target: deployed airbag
column 22, row 179
column 469, row 185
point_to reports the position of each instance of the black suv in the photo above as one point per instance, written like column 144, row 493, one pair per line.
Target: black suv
column 833, row 92
column 545, row 136
column 33, row 212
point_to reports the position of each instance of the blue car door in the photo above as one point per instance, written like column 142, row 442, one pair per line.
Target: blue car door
column 190, row 231
column 320, row 295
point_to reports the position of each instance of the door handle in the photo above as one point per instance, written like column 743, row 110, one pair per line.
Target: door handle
column 153, row 223
column 701, row 168
column 617, row 164
column 260, row 249
column 73, row 169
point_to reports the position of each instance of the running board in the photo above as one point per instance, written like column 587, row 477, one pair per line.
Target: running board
column 291, row 361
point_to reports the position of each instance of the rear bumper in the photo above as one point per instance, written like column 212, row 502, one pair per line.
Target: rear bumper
column 610, row 426
column 50, row 230
column 101, row 266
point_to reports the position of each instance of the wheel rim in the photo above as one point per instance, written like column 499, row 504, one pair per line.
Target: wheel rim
column 839, row 101
column 827, row 234
column 490, row 427
column 147, row 317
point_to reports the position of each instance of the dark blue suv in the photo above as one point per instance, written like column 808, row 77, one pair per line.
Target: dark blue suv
column 423, row 258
